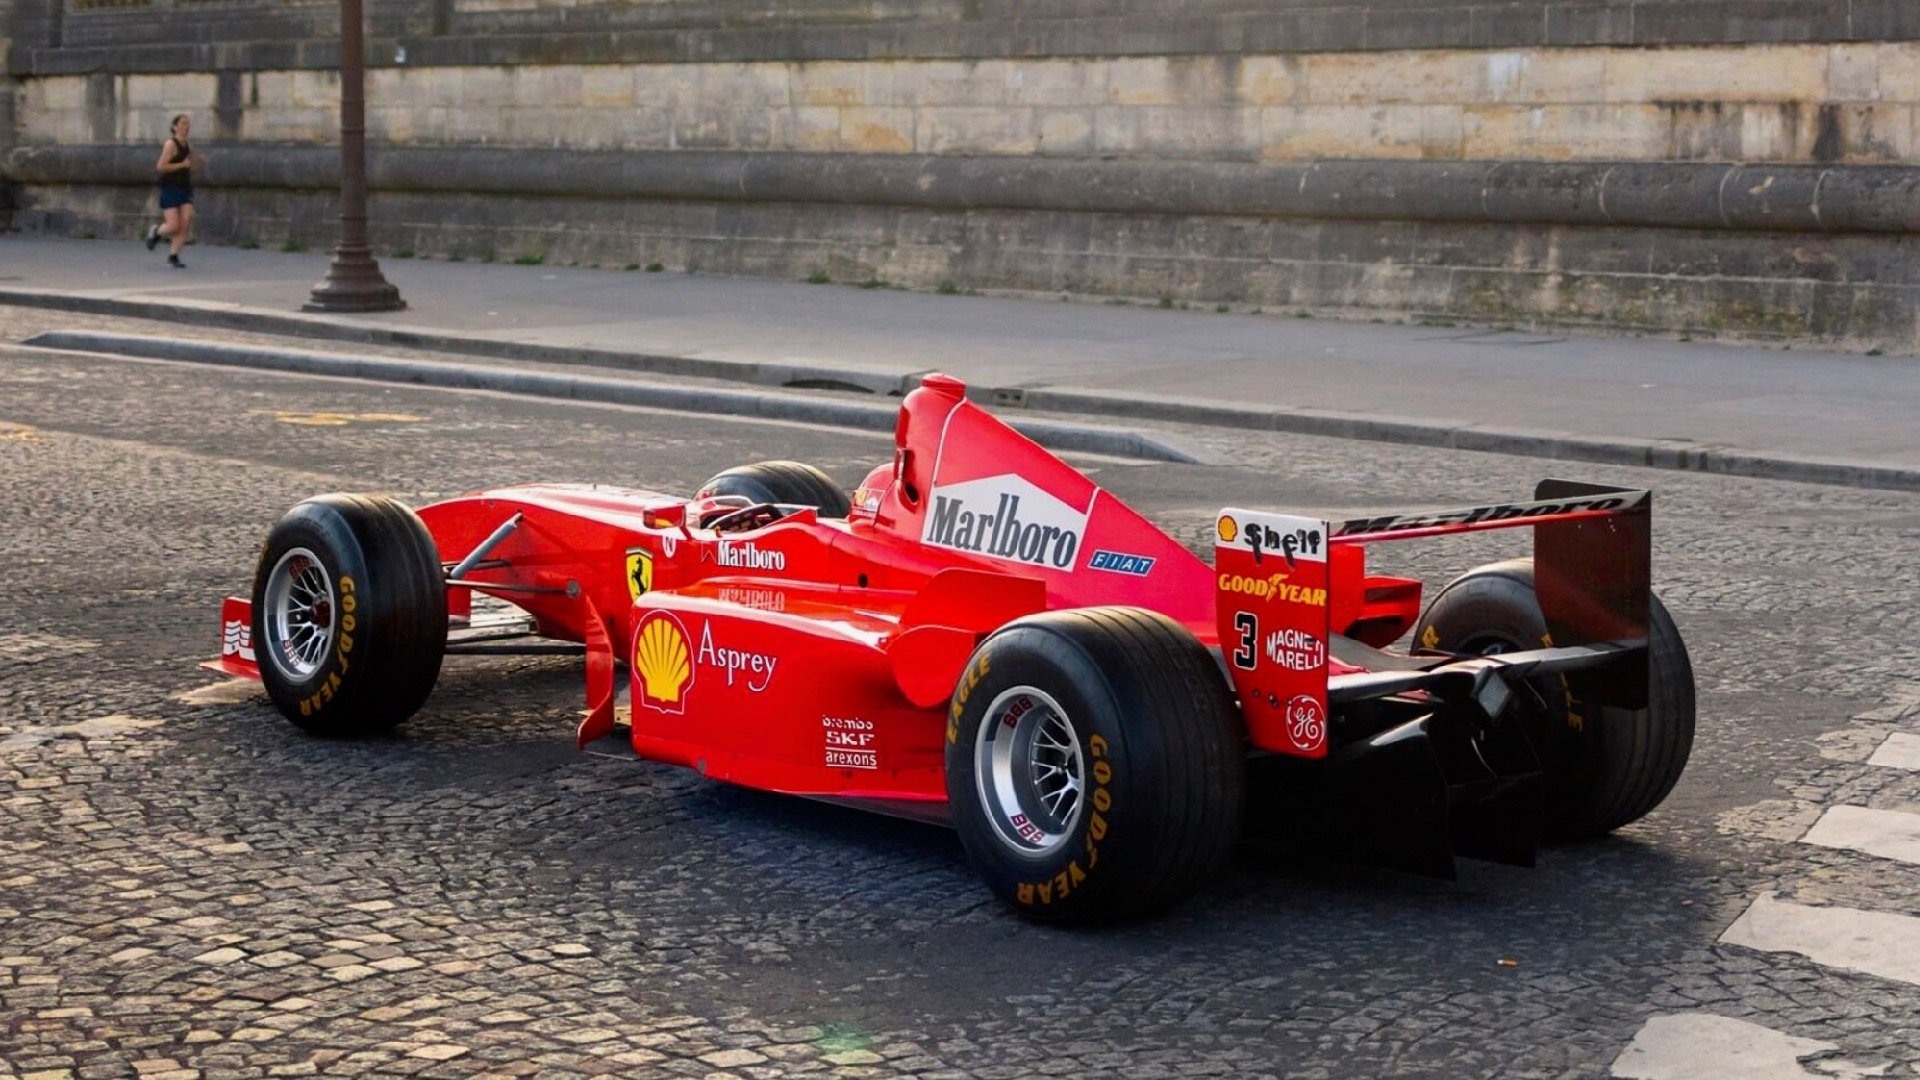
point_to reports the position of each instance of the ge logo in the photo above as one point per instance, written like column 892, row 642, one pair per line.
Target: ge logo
column 1306, row 722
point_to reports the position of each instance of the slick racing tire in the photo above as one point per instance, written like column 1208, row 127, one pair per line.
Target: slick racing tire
column 1599, row 775
column 789, row 482
column 1095, row 765
column 349, row 614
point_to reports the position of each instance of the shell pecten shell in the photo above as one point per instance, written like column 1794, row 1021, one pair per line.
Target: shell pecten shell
column 664, row 662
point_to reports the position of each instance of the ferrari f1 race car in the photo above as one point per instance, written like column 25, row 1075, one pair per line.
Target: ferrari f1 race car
column 983, row 636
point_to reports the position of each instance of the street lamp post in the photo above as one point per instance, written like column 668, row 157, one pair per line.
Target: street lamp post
column 353, row 281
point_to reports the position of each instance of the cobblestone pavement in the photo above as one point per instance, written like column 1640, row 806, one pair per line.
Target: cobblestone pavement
column 189, row 888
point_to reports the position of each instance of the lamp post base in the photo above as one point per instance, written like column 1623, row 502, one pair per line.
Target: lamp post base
column 354, row 284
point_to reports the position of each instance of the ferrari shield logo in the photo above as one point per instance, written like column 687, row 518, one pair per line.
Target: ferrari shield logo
column 639, row 573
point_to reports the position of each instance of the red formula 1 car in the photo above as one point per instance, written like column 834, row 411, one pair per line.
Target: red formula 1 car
column 981, row 635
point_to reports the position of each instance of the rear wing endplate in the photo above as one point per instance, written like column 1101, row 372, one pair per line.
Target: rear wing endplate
column 1279, row 578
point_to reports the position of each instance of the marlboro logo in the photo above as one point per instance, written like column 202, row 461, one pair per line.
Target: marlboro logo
column 744, row 555
column 1005, row 517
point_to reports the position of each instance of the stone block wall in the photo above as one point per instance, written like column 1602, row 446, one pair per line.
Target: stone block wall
column 1708, row 166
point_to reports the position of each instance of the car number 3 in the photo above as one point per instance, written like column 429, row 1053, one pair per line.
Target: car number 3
column 1248, row 624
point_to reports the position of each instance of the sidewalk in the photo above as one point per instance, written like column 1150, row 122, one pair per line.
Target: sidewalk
column 1759, row 411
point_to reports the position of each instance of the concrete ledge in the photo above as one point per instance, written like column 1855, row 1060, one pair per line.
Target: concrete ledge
column 1787, row 198
column 1056, row 434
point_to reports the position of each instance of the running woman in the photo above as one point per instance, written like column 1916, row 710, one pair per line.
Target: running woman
column 176, row 164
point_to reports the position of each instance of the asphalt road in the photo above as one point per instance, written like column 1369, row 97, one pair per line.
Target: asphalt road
column 188, row 887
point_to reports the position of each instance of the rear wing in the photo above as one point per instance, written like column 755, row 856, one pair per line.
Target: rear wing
column 1290, row 588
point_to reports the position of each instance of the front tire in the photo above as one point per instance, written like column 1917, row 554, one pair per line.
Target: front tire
column 350, row 614
column 1095, row 765
column 1600, row 775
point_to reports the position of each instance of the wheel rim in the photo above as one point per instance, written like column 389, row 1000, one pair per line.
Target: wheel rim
column 300, row 607
column 1029, row 770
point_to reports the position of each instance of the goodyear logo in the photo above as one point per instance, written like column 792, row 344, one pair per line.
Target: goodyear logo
column 1272, row 587
column 663, row 661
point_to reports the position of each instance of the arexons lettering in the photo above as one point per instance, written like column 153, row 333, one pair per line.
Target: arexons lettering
column 1005, row 517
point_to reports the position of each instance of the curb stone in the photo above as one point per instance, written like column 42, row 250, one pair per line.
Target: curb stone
column 868, row 416
column 1676, row 454
column 331, row 328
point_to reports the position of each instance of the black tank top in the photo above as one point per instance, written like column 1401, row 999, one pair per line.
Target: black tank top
column 182, row 178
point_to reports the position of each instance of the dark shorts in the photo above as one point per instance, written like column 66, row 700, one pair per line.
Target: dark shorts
column 175, row 197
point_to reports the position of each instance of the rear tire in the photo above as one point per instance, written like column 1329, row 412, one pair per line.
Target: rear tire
column 791, row 482
column 1130, row 705
column 1599, row 775
column 349, row 614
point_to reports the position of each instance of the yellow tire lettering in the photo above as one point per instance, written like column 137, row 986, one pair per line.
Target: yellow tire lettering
column 1024, row 894
column 1093, row 853
column 1045, row 890
column 348, row 624
column 346, row 642
column 348, row 602
column 1073, row 869
column 1096, row 828
column 306, row 706
column 346, row 584
column 1097, row 746
column 1060, row 885
column 1101, row 800
column 1102, row 772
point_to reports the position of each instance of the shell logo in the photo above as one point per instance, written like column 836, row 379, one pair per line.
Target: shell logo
column 663, row 660
column 1228, row 528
